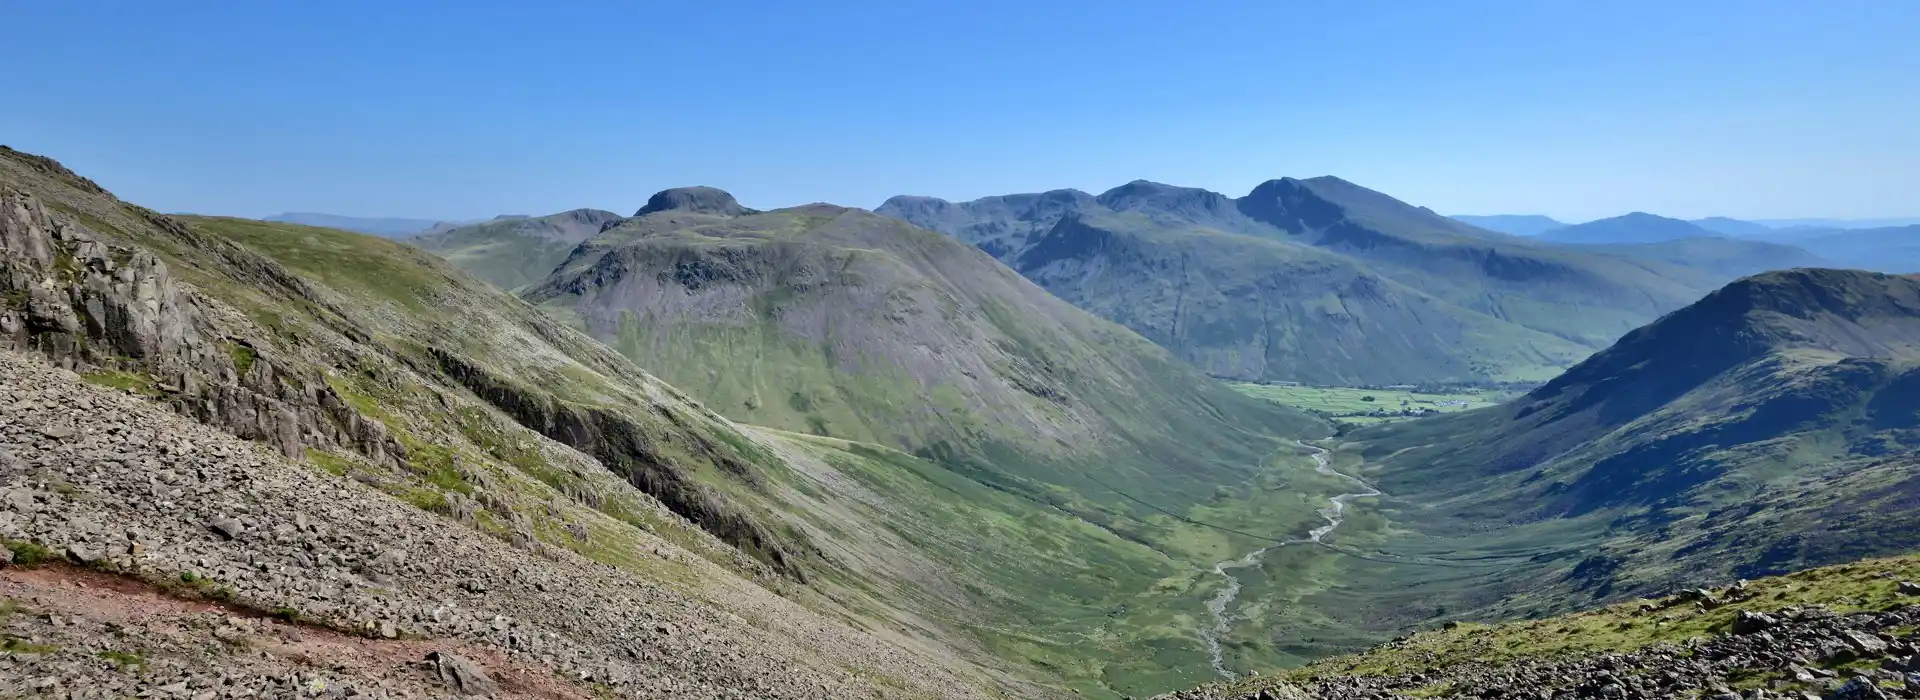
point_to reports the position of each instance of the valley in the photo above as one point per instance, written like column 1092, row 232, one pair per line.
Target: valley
column 827, row 414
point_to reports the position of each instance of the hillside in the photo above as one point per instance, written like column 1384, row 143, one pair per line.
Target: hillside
column 1410, row 295
column 1769, row 427
column 510, row 253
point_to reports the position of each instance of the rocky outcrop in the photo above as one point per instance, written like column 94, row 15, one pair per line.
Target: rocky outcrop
column 95, row 305
column 626, row 449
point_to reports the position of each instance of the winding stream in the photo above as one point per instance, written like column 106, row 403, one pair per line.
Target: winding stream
column 1335, row 513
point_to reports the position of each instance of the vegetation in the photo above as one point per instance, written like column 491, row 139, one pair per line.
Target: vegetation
column 1623, row 627
column 130, row 382
column 1360, row 406
column 28, row 554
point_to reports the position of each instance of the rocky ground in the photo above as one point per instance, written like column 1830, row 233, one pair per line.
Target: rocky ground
column 1801, row 652
column 175, row 560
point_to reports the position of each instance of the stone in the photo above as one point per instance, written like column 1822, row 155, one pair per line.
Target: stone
column 1864, row 643
column 82, row 555
column 463, row 676
column 1909, row 588
column 1857, row 689
column 226, row 527
column 1748, row 622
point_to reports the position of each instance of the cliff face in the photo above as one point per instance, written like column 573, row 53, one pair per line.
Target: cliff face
column 92, row 305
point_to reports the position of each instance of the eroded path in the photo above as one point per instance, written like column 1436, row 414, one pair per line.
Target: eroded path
column 1221, row 603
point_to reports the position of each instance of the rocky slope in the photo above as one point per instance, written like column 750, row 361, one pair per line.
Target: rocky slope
column 1423, row 297
column 100, row 479
column 515, row 252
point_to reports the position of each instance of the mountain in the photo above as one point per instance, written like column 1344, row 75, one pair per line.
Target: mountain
column 1637, row 227
column 513, row 251
column 1733, row 227
column 1516, row 224
column 1317, row 280
column 1768, row 427
column 382, row 226
column 843, row 323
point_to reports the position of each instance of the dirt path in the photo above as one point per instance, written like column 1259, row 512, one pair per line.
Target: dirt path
column 66, row 612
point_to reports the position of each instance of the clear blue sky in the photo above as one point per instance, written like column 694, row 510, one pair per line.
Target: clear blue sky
column 451, row 109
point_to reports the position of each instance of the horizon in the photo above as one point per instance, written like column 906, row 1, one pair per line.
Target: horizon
column 423, row 112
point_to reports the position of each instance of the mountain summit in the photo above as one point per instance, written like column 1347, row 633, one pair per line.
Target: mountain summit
column 698, row 200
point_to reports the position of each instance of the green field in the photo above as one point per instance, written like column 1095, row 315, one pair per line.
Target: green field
column 1356, row 405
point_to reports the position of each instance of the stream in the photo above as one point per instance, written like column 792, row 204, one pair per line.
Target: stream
column 1335, row 513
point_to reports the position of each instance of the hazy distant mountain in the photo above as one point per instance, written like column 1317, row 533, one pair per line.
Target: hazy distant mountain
column 1733, row 227
column 1516, row 224
column 1838, row 223
column 385, row 227
column 1637, row 227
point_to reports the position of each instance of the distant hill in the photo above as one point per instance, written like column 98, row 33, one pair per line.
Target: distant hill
column 1516, row 224
column 1733, row 227
column 1316, row 280
column 1637, row 227
column 384, row 227
column 513, row 251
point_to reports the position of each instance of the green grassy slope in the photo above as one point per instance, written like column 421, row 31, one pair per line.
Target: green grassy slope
column 842, row 323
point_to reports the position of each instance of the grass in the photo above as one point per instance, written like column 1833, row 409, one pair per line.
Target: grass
column 131, row 382
column 1361, row 406
column 243, row 357
column 28, row 554
column 15, row 645
column 123, row 660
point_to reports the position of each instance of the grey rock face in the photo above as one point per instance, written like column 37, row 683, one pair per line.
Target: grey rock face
column 88, row 304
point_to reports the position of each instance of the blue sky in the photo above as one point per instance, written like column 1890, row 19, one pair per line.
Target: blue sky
column 458, row 109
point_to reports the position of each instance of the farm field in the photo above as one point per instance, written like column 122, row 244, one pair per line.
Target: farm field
column 1356, row 405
